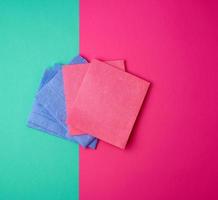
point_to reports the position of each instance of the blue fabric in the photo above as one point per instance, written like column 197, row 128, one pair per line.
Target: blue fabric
column 49, row 110
column 78, row 60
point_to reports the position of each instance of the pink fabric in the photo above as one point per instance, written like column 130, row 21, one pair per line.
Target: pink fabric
column 172, row 152
column 108, row 103
column 73, row 76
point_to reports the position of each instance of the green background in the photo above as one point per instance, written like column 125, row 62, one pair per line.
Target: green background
column 34, row 34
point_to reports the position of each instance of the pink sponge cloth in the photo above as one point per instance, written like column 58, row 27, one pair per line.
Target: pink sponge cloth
column 73, row 76
column 107, row 103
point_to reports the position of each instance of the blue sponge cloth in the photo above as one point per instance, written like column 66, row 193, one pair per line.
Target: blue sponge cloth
column 49, row 110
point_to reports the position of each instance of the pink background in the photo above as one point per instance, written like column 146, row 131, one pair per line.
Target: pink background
column 172, row 153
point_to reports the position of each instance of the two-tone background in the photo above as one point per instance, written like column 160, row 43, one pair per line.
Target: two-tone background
column 173, row 151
